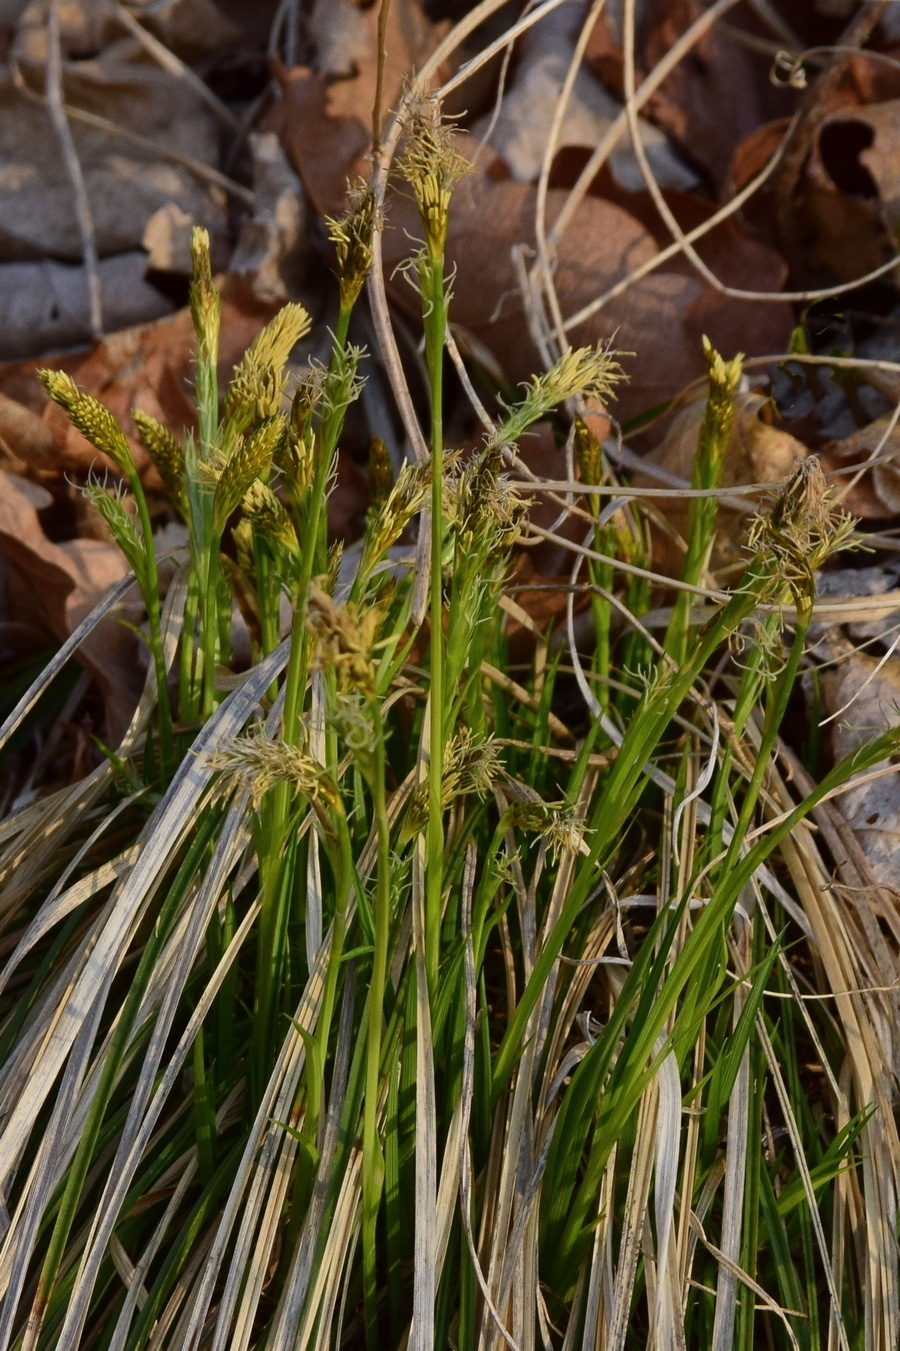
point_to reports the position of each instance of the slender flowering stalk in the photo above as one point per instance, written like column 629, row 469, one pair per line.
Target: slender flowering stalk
column 95, row 422
column 206, row 313
column 432, row 165
column 712, row 448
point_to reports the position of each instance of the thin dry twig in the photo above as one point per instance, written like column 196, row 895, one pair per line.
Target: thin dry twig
column 205, row 172
column 545, row 262
column 666, row 214
column 56, row 107
column 169, row 62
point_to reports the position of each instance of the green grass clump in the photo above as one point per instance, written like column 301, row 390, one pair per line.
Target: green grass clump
column 356, row 999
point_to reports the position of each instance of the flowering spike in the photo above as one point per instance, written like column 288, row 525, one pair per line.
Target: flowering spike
column 92, row 418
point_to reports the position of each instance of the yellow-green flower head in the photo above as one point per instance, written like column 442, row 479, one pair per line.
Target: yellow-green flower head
column 803, row 529
column 352, row 236
column 204, row 298
column 92, row 418
column 432, row 166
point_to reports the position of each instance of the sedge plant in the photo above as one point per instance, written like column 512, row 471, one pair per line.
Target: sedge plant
column 374, row 995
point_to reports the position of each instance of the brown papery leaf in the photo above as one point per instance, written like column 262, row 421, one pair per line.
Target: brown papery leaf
column 148, row 367
column 125, row 183
column 875, row 494
column 710, row 102
column 757, row 453
column 865, row 699
column 52, row 587
column 325, row 117
column 660, row 318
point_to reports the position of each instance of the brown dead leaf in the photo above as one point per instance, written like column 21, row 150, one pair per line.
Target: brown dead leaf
column 46, row 305
column 489, row 219
column 190, row 28
column 146, row 121
column 27, row 443
column 850, row 194
column 325, row 116
column 758, row 452
column 737, row 258
column 710, row 102
column 845, row 208
column 660, row 318
column 866, row 699
column 271, row 246
column 149, row 366
column 517, row 131
column 53, row 587
column 326, row 148
column 876, row 493
column 125, row 183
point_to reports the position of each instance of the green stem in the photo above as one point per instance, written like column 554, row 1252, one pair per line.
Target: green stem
column 373, row 1158
column 275, row 812
column 186, row 703
column 313, row 551
column 154, row 620
column 435, row 324
column 267, row 591
column 209, row 636
column 776, row 707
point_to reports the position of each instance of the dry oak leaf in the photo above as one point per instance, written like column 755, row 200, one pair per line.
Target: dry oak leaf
column 757, row 453
column 850, row 194
column 325, row 115
column 57, row 585
column 149, row 367
column 660, row 318
column 845, row 208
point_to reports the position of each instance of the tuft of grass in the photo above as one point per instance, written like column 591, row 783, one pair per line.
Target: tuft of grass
column 356, row 999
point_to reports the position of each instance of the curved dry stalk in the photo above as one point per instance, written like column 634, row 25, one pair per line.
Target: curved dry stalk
column 684, row 244
column 544, row 261
column 649, row 86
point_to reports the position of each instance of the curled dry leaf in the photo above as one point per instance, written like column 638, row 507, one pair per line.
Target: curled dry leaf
column 852, row 189
column 874, row 494
column 844, row 211
column 52, row 587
